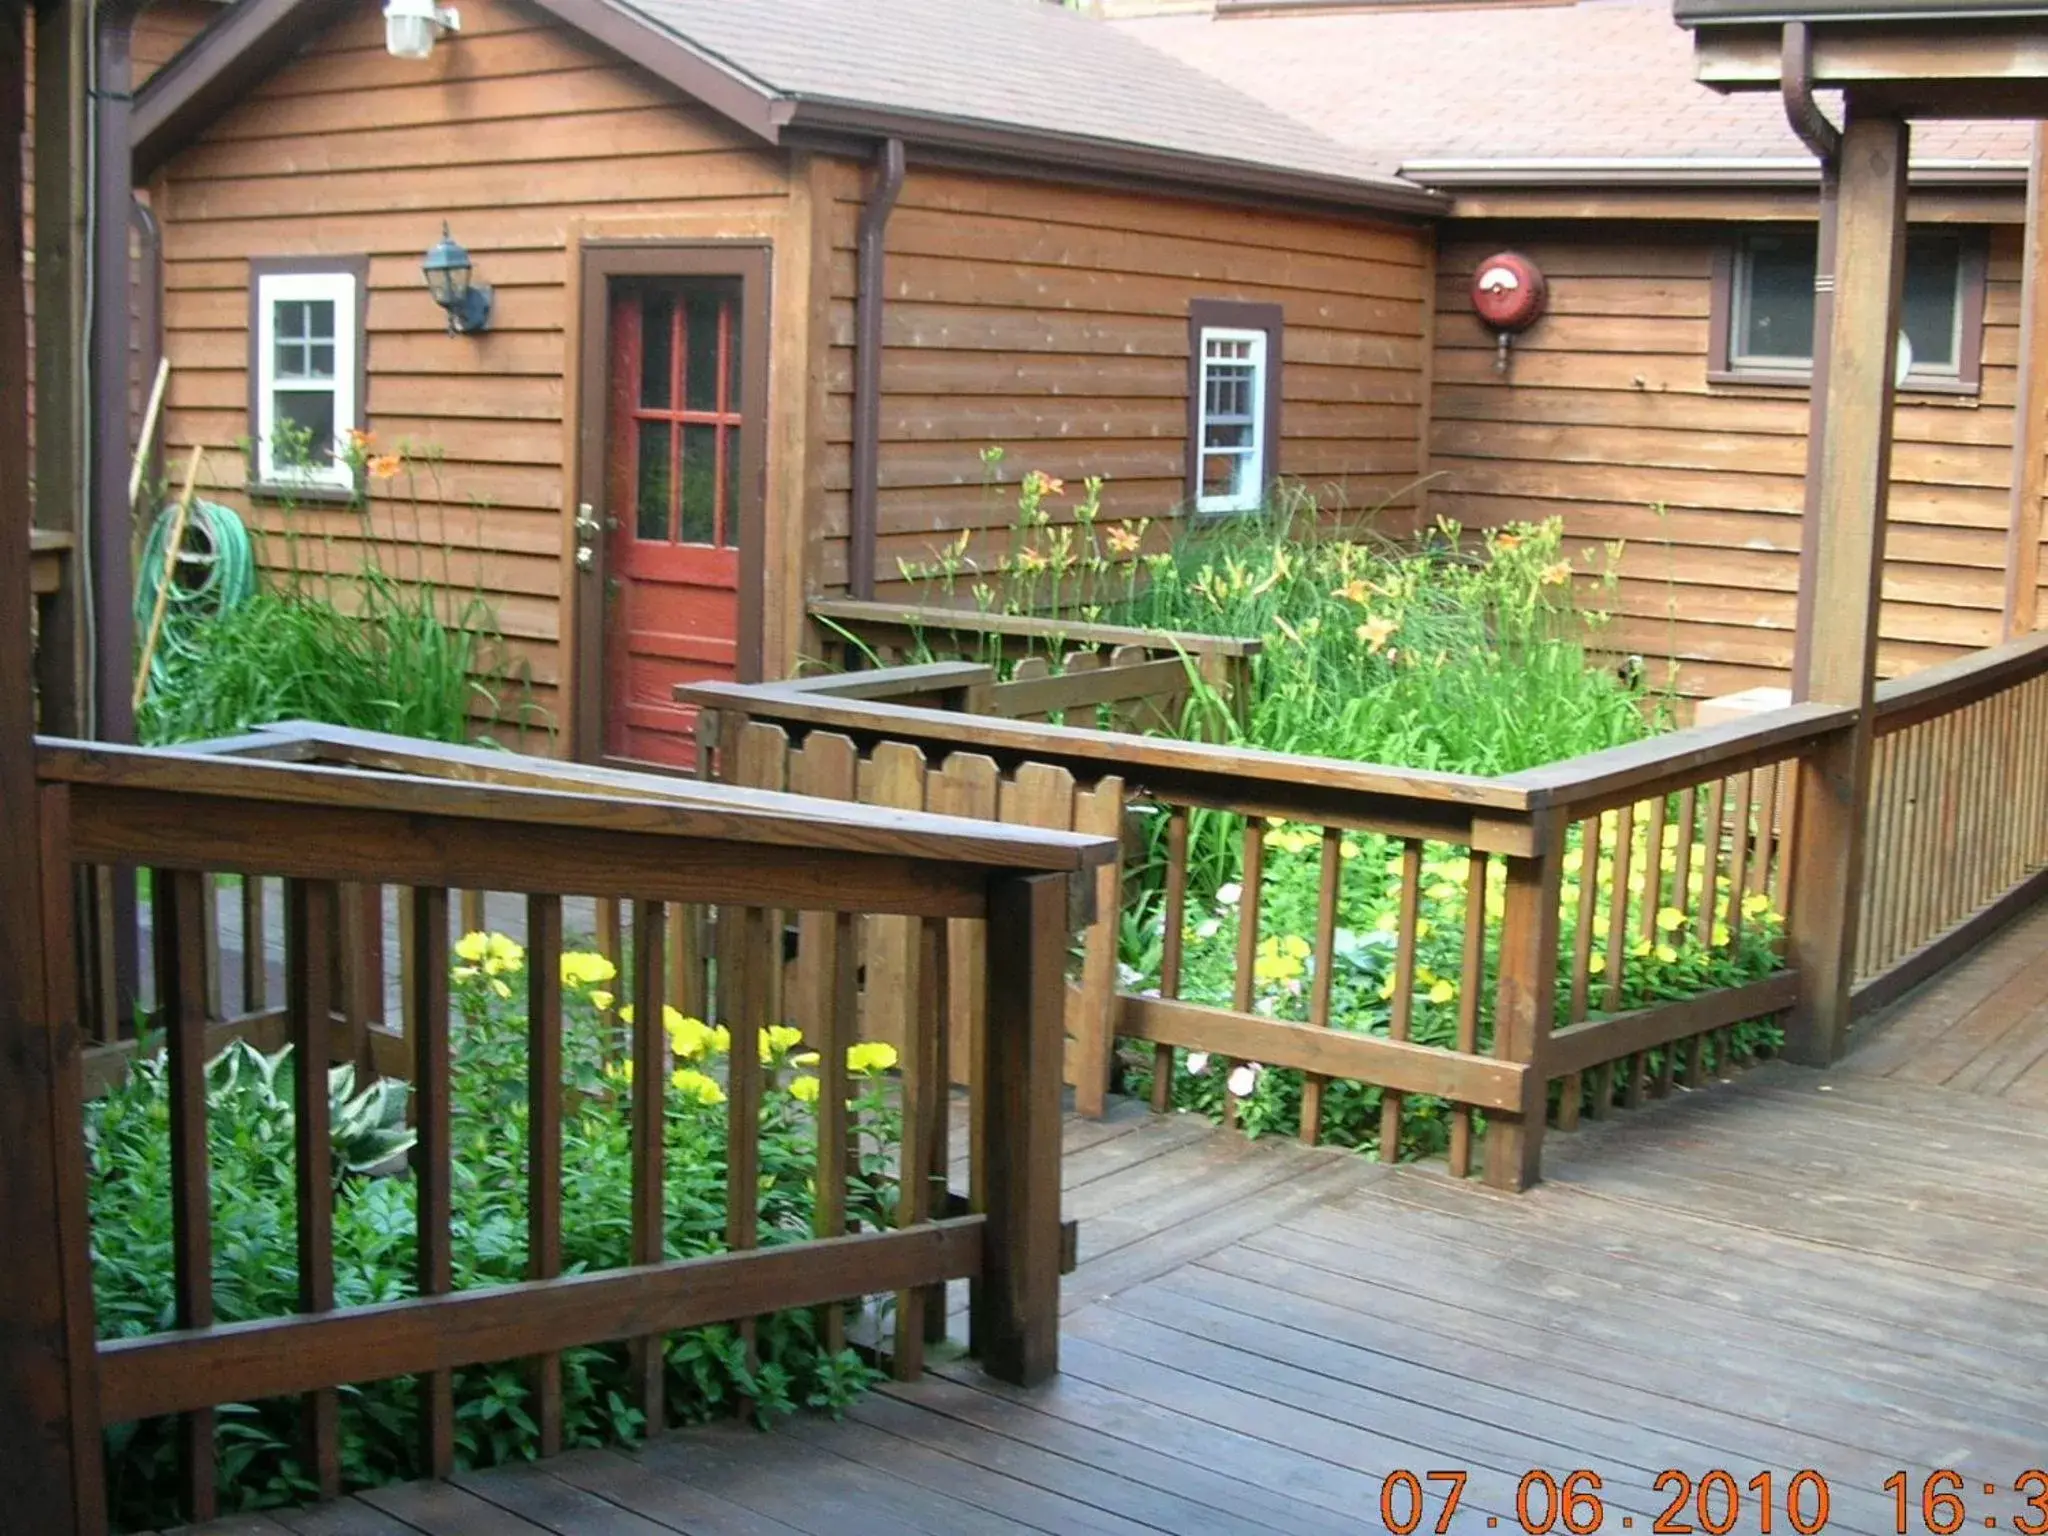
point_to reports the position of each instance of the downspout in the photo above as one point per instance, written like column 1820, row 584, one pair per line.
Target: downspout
column 1795, row 74
column 869, row 296
column 149, row 337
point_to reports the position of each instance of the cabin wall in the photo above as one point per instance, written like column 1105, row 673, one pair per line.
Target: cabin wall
column 1052, row 321
column 528, row 140
column 1605, row 419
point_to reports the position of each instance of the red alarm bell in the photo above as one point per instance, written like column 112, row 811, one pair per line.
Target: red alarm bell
column 1509, row 292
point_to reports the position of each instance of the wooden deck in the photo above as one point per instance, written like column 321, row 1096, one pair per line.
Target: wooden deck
column 1838, row 1271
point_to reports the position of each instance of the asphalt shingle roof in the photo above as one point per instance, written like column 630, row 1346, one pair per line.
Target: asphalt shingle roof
column 1598, row 78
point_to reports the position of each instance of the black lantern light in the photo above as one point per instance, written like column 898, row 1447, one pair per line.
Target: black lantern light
column 447, row 270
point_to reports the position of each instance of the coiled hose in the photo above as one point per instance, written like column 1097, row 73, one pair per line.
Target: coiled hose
column 215, row 572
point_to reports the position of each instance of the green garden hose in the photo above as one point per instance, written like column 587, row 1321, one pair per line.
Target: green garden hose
column 215, row 573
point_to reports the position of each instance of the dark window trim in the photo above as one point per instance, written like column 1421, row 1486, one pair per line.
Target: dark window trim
column 261, row 267
column 1237, row 315
column 1967, row 380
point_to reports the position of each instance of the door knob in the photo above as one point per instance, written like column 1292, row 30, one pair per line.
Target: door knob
column 586, row 557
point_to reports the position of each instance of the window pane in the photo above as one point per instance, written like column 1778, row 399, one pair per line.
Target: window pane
column 1931, row 314
column 657, row 348
column 289, row 318
column 1227, row 434
column 320, row 319
column 291, row 360
column 700, row 483
column 1225, row 474
column 700, row 342
column 650, row 519
column 320, row 360
column 1227, row 390
column 303, row 429
column 1775, row 308
column 729, row 535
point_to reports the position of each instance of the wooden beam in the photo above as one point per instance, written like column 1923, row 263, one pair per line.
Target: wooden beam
column 1848, row 567
column 2030, row 432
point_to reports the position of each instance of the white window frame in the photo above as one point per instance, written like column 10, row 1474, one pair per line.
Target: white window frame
column 342, row 290
column 1250, row 499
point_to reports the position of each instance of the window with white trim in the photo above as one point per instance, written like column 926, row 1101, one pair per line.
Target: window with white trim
column 306, row 388
column 1231, row 433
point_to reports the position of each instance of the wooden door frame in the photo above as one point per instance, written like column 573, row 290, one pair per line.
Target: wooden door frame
column 750, row 260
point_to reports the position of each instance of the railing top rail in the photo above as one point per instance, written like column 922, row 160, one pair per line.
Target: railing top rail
column 969, row 621
column 706, row 812
column 1584, row 786
column 1951, row 685
column 889, row 682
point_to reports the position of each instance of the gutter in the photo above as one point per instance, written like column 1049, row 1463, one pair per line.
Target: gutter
column 1689, row 171
column 863, row 521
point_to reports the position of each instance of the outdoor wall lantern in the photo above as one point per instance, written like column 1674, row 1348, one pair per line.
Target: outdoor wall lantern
column 447, row 269
column 411, row 26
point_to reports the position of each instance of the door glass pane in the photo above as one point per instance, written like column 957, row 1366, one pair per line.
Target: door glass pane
column 1775, row 320
column 729, row 533
column 650, row 519
column 657, row 348
column 303, row 429
column 1931, row 308
column 700, row 341
column 700, row 485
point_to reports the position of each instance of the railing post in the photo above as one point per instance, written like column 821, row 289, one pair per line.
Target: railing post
column 1847, row 532
column 1525, row 998
column 1014, row 1305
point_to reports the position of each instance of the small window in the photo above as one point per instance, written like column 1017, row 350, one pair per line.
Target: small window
column 305, row 369
column 1233, row 404
column 1764, row 310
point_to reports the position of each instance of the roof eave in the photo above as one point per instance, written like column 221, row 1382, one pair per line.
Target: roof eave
column 1192, row 173
column 1687, row 171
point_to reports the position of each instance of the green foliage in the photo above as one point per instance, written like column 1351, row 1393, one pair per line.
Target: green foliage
column 249, row 1133
column 372, row 649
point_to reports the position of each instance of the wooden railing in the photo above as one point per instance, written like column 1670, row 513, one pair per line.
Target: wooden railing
column 1715, row 789
column 1086, row 674
column 267, row 808
column 1958, row 815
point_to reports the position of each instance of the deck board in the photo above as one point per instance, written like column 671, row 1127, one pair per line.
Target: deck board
column 1837, row 1270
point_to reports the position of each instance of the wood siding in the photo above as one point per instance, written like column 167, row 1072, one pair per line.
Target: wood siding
column 1605, row 419
column 1052, row 321
column 528, row 140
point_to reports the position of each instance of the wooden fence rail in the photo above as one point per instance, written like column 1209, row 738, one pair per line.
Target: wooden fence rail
column 317, row 830
column 1714, row 801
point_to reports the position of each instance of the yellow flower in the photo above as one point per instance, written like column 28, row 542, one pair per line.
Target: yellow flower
column 600, row 1000
column 776, row 1041
column 620, row 1072
column 1756, row 904
column 1596, row 964
column 463, row 972
column 500, row 987
column 1557, row 575
column 1721, row 935
column 804, row 1059
column 1375, row 633
column 1506, row 541
column 688, row 1038
column 385, row 465
column 1667, row 954
column 1121, row 540
column 586, row 968
column 696, row 1087
column 1424, row 928
column 1640, row 947
column 1443, row 992
column 1670, row 919
column 1357, row 590
column 473, row 946
column 804, row 1090
column 1347, row 849
column 870, row 1056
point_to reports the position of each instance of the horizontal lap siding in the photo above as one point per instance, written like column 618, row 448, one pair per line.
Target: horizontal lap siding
column 517, row 132
column 1052, row 321
column 1605, row 419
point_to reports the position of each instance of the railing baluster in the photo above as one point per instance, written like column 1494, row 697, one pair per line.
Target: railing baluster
column 255, row 945
column 1768, row 778
column 543, row 1135
column 433, row 1171
column 1252, row 895
column 210, row 920
column 1331, row 879
column 749, row 1002
column 1171, row 942
column 1738, row 853
column 475, row 917
column 921, row 1315
column 838, row 1021
column 1617, row 906
column 649, row 1151
column 178, row 928
column 311, row 913
column 1652, row 904
column 1681, row 878
column 1572, row 1093
column 1471, row 979
column 1400, row 1020
column 610, row 932
column 1710, row 866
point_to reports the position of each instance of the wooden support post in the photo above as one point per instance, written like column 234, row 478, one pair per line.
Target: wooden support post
column 1525, row 998
column 1015, row 1301
column 1848, row 569
column 2030, row 425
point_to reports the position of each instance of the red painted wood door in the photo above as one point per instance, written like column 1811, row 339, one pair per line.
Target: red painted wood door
column 673, row 484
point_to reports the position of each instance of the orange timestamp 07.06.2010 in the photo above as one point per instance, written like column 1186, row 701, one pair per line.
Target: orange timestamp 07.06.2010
column 1711, row 1503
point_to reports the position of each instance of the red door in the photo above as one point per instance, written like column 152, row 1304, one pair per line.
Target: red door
column 679, row 442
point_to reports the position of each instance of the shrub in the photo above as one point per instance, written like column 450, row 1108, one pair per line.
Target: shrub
column 255, row 1219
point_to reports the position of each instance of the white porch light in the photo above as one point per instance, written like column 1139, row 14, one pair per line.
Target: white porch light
column 411, row 26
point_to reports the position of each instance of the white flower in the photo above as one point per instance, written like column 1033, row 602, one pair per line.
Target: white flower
column 1198, row 1063
column 1226, row 895
column 1207, row 928
column 1243, row 1080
